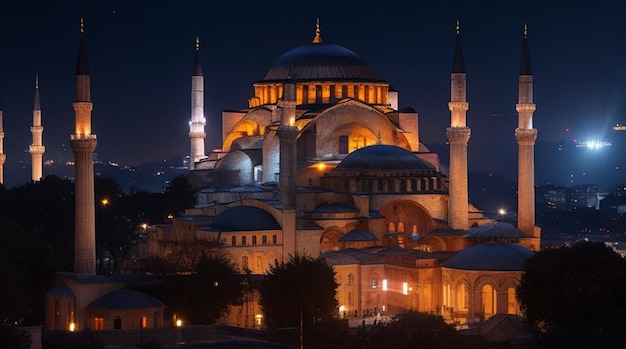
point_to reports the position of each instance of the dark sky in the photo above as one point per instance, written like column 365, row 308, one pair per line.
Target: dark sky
column 141, row 54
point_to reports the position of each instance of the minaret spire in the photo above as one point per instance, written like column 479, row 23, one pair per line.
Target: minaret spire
column 458, row 135
column 3, row 156
column 318, row 36
column 526, row 135
column 83, row 144
column 198, row 121
column 37, row 149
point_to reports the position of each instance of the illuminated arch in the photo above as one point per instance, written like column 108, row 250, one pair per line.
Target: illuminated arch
column 245, row 128
column 330, row 239
column 408, row 213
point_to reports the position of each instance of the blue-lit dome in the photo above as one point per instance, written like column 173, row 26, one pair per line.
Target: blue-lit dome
column 495, row 231
column 382, row 157
column 494, row 257
column 244, row 218
column 358, row 235
column 320, row 61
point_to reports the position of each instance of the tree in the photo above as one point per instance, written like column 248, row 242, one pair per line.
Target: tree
column 575, row 293
column 302, row 287
column 408, row 328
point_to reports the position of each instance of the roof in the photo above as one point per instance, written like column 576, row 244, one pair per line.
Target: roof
column 320, row 61
column 458, row 66
column 525, row 66
column 491, row 257
column 61, row 290
column 358, row 235
column 382, row 157
column 126, row 299
column 496, row 230
column 244, row 218
column 336, row 207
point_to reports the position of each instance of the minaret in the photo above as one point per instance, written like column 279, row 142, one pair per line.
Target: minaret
column 526, row 135
column 37, row 149
column 196, row 125
column 458, row 135
column 83, row 144
column 287, row 133
column 3, row 156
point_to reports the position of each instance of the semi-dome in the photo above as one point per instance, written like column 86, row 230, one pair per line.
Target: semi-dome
column 490, row 257
column 320, row 61
column 358, row 235
column 382, row 157
column 244, row 218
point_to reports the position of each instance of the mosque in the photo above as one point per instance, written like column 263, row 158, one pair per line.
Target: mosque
column 322, row 162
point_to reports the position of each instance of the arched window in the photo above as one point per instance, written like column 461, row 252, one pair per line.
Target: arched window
column 117, row 323
column 156, row 319
column 350, row 279
column 274, row 240
column 446, row 295
column 233, row 241
column 259, row 265
column 513, row 306
column 490, row 305
column 264, row 240
column 244, row 262
column 243, row 241
column 143, row 322
column 461, row 297
column 254, row 240
column 98, row 323
column 400, row 227
column 392, row 227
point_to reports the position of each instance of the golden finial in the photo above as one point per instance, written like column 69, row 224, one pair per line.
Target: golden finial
column 525, row 30
column 82, row 26
column 197, row 43
column 318, row 37
column 458, row 27
column 36, row 80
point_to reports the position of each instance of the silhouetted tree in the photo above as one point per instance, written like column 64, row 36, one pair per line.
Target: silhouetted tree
column 302, row 286
column 576, row 294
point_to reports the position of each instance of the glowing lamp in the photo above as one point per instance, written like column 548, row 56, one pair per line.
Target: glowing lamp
column 179, row 323
column 72, row 327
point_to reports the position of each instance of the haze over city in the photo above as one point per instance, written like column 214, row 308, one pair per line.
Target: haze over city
column 141, row 56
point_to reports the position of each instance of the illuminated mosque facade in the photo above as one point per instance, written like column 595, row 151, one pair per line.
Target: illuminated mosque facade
column 323, row 162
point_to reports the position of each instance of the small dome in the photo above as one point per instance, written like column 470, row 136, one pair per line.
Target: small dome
column 382, row 157
column 358, row 235
column 126, row 299
column 244, row 218
column 320, row 61
column 494, row 257
column 493, row 231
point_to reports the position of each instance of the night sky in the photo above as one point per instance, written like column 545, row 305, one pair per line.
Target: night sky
column 141, row 54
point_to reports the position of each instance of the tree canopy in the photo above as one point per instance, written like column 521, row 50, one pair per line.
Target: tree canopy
column 575, row 292
column 302, row 286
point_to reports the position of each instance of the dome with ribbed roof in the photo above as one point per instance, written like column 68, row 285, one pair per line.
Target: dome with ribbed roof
column 320, row 61
column 382, row 157
column 495, row 231
column 490, row 257
column 244, row 218
column 358, row 235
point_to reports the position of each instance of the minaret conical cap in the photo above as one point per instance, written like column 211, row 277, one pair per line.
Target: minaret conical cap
column 82, row 67
column 525, row 67
column 197, row 68
column 37, row 104
column 458, row 66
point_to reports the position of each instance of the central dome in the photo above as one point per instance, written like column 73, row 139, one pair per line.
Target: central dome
column 382, row 157
column 320, row 61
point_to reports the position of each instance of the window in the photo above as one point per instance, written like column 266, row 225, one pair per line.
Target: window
column 233, row 241
column 343, row 144
column 273, row 239
column 243, row 241
column 117, row 323
column 350, row 279
column 143, row 322
column 254, row 241
column 98, row 323
column 244, row 262
column 156, row 318
column 374, row 283
column 264, row 240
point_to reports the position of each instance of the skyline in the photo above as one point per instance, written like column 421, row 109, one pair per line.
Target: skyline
column 141, row 58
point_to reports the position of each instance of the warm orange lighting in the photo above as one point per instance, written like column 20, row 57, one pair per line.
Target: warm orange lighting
column 72, row 326
column 321, row 166
column 170, row 216
column 144, row 225
column 179, row 323
column 105, row 202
